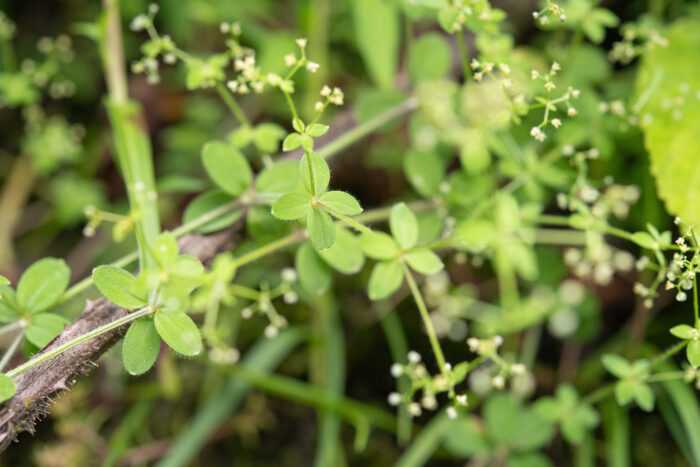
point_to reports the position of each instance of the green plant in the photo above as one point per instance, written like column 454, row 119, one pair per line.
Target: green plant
column 504, row 237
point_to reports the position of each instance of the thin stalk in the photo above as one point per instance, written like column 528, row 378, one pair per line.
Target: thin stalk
column 695, row 300
column 269, row 248
column 79, row 340
column 464, row 54
column 11, row 327
column 11, row 350
column 236, row 109
column 348, row 220
column 432, row 335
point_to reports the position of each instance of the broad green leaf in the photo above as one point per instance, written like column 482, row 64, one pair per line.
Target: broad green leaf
column 277, row 179
column 7, row 387
column 205, row 204
column 404, row 226
column 377, row 34
column 42, row 284
column 643, row 239
column 474, row 155
column 345, row 255
column 179, row 332
column 616, row 365
column 317, row 129
column 430, row 57
column 682, row 331
column 227, row 167
column 644, row 397
column 4, row 280
column 385, row 279
column 141, row 346
column 341, row 202
column 693, row 353
column 7, row 313
column 291, row 142
column 475, row 234
column 671, row 131
column 424, row 261
column 118, row 286
column 291, row 206
column 624, row 392
column 321, row 229
column 267, row 137
column 314, row 274
column 165, row 249
column 315, row 173
column 466, row 438
column 378, row 245
column 44, row 327
column 424, row 171
column 187, row 266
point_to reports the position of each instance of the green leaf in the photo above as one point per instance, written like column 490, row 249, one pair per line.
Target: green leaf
column 7, row 313
column 424, row 261
column 475, row 234
column 345, row 255
column 165, row 249
column 179, row 332
column 670, row 131
column 682, row 331
column 643, row 239
column 298, row 125
column 118, row 286
column 466, row 438
column 321, row 229
column 4, row 280
column 378, row 245
column 277, row 179
column 616, row 365
column 291, row 206
column 44, row 327
column 207, row 202
column 42, row 284
column 693, row 353
column 429, row 58
column 424, row 171
column 314, row 275
column 377, row 34
column 644, row 397
column 141, row 346
column 385, row 279
column 307, row 142
column 342, row 202
column 624, row 392
column 317, row 129
column 7, row 387
column 474, row 155
column 315, row 174
column 227, row 167
column 291, row 142
column 404, row 226
column 267, row 137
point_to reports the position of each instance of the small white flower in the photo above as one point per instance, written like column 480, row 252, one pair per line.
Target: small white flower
column 271, row 331
column 498, row 382
column 326, row 91
column 289, row 275
column 394, row 399
column 451, row 413
column 301, row 42
column 290, row 297
column 572, row 112
column 396, row 370
column 681, row 296
column 461, row 399
column 414, row 409
column 497, row 341
column 413, row 357
column 246, row 313
column 556, row 123
column 290, row 59
column 312, row 67
column 224, row 28
column 318, row 106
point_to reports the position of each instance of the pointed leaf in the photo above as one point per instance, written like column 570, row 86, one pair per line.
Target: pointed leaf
column 424, row 261
column 315, row 174
column 42, row 284
column 314, row 274
column 617, row 365
column 141, row 346
column 378, row 245
column 644, row 397
column 291, row 142
column 44, row 327
column 291, row 206
column 118, row 286
column 385, row 279
column 342, row 202
column 317, row 129
column 321, row 229
column 179, row 332
column 682, row 331
column 693, row 353
column 345, row 255
column 227, row 167
column 624, row 392
column 404, row 226
column 165, row 249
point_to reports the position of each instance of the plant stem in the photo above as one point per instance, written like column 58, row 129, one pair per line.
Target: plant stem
column 113, row 53
column 432, row 336
column 695, row 301
column 348, row 220
column 233, row 105
column 11, row 350
column 269, row 248
column 464, row 53
column 79, row 340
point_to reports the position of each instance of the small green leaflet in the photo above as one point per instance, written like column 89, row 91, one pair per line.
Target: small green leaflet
column 321, row 229
column 385, row 279
column 424, row 261
column 118, row 286
column 404, row 226
column 44, row 327
column 227, row 167
column 179, row 332
column 342, row 202
column 7, row 387
column 291, row 206
column 42, row 284
column 315, row 174
column 378, row 245
column 345, row 255
column 141, row 346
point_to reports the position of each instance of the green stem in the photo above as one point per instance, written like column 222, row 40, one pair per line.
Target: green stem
column 695, row 301
column 432, row 336
column 11, row 350
column 464, row 53
column 269, row 248
column 233, row 105
column 79, row 340
column 11, row 327
column 348, row 220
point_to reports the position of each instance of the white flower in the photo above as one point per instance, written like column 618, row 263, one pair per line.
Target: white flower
column 312, row 67
column 556, row 123
column 414, row 409
column 289, row 275
column 394, row 399
column 326, row 91
column 396, row 370
column 451, row 413
column 681, row 296
column 461, row 399
column 301, row 42
column 271, row 331
column 413, row 357
column 290, row 59
column 571, row 112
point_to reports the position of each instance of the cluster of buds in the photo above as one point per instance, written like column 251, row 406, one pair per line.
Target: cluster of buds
column 550, row 103
column 598, row 261
column 428, row 386
column 692, row 375
column 250, row 76
column 223, row 355
column 636, row 38
column 462, row 11
column 291, row 60
column 330, row 95
column 552, row 9
column 683, row 269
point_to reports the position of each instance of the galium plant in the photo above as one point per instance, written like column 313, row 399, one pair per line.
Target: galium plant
column 508, row 177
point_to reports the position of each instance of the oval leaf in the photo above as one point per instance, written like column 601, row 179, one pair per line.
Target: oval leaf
column 385, row 279
column 179, row 332
column 342, row 202
column 424, row 261
column 141, row 346
column 291, row 206
column 314, row 275
column 227, row 167
column 315, row 174
column 321, row 229
column 42, row 284
column 206, row 203
column 118, row 286
column 404, row 226
column 44, row 327
column 378, row 245
column 345, row 255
